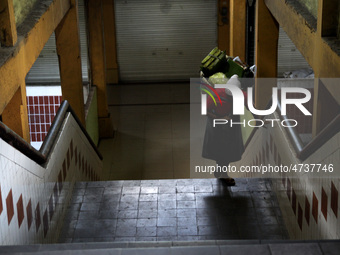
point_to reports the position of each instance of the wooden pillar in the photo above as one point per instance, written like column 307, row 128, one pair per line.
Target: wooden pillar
column 329, row 17
column 223, row 23
column 266, row 40
column 97, row 65
column 238, row 19
column 24, row 113
column 8, row 35
column 68, row 49
column 327, row 25
column 110, row 42
column 15, row 114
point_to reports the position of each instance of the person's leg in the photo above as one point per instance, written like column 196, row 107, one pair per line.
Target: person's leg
column 223, row 174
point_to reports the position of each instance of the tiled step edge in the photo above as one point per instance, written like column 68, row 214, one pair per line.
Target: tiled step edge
column 159, row 244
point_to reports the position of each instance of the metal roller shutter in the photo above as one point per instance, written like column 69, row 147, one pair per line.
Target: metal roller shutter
column 161, row 40
column 289, row 57
column 46, row 67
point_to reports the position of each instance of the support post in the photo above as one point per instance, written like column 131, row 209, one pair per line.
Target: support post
column 266, row 37
column 329, row 17
column 238, row 12
column 110, row 42
column 15, row 114
column 97, row 65
column 327, row 23
column 68, row 49
column 8, row 35
column 223, row 23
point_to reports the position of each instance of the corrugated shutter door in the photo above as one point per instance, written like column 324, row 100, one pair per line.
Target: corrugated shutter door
column 289, row 57
column 83, row 40
column 46, row 67
column 161, row 40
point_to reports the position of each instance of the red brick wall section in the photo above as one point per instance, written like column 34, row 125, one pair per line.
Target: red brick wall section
column 41, row 112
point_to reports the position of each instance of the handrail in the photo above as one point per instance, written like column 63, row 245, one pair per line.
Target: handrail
column 42, row 155
column 55, row 127
column 20, row 144
column 293, row 135
column 327, row 133
column 304, row 151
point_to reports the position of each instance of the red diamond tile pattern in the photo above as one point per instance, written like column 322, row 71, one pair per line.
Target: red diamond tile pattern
column 29, row 214
column 294, row 202
column 289, row 190
column 300, row 216
column 37, row 217
column 45, row 223
column 64, row 170
column 50, row 207
column 324, row 203
column 334, row 199
column 9, row 206
column 60, row 180
column 55, row 194
column 315, row 206
column 20, row 211
column 307, row 210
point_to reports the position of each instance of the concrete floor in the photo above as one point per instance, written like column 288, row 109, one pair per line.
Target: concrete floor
column 152, row 139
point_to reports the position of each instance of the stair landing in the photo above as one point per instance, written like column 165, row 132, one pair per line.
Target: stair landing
column 173, row 210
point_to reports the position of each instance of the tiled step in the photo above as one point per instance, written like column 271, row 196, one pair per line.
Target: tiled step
column 176, row 248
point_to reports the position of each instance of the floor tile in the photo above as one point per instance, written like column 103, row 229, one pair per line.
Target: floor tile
column 146, row 231
column 166, row 231
column 147, row 213
column 163, row 222
column 148, row 222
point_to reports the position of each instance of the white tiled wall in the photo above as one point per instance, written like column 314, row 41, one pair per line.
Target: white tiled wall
column 304, row 185
column 38, row 184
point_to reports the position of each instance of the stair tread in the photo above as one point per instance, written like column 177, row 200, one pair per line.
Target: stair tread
column 183, row 247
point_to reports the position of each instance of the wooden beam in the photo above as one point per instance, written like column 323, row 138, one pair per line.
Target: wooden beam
column 15, row 113
column 11, row 114
column 8, row 35
column 110, row 42
column 24, row 114
column 16, row 62
column 68, row 50
column 294, row 24
column 223, row 23
column 266, row 37
column 97, row 64
column 238, row 12
column 316, row 50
